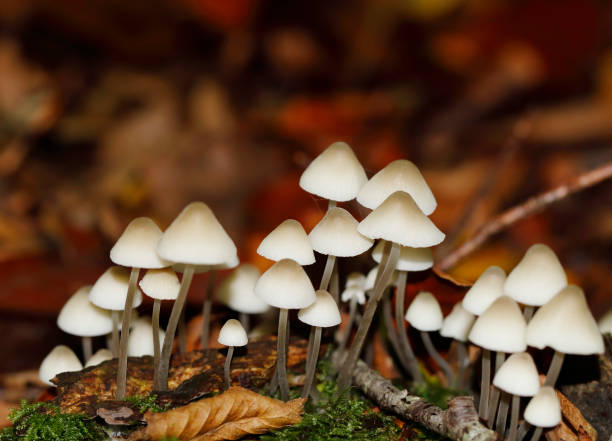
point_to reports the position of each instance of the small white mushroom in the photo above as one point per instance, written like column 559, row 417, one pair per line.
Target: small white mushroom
column 100, row 356
column 287, row 241
column 544, row 410
column 232, row 334
column 60, row 359
column 487, row 288
column 457, row 325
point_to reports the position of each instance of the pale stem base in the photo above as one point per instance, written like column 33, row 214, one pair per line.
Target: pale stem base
column 281, row 359
column 245, row 321
column 226, row 368
column 311, row 366
column 412, row 365
column 125, row 334
column 462, row 364
column 155, row 326
column 502, row 414
column 86, row 345
column 115, row 340
column 494, row 399
column 483, row 406
column 514, row 415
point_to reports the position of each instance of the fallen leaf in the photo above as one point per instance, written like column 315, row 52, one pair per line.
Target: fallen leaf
column 230, row 415
column 561, row 432
column 585, row 431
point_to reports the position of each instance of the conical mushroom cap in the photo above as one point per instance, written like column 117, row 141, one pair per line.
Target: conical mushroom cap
column 537, row 278
column 336, row 234
column 285, row 285
column 605, row 323
column 160, row 284
column 196, row 237
column 501, row 327
column 199, row 269
column 60, row 359
column 410, row 259
column 355, row 280
column 137, row 246
column 424, row 312
column 544, row 409
column 371, row 278
column 233, row 334
column 400, row 175
column 335, row 174
column 100, row 356
column 323, row 312
column 110, row 290
column 487, row 288
column 458, row 323
column 237, row 291
column 287, row 241
column 140, row 340
column 566, row 325
column 398, row 219
column 82, row 318
column 518, row 376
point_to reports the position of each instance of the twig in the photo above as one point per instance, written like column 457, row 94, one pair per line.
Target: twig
column 525, row 209
column 459, row 422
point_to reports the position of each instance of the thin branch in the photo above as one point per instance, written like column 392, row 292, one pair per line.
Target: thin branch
column 459, row 422
column 526, row 209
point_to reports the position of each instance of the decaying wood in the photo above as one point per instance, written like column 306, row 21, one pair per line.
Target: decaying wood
column 525, row 209
column 576, row 420
column 459, row 422
column 561, row 432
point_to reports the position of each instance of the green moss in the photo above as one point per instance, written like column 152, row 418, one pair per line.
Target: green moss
column 434, row 392
column 45, row 422
column 145, row 403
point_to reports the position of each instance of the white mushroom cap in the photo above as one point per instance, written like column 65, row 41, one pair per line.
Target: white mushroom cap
column 82, row 318
column 410, row 259
column 233, row 334
column 400, row 175
column 353, row 292
column 518, row 376
column 566, row 324
column 110, row 290
column 140, row 340
column 287, row 241
column 355, row 280
column 237, row 291
column 160, row 284
column 323, row 312
column 605, row 323
column 424, row 312
column 544, row 409
column 199, row 269
column 60, row 359
column 335, row 174
column 100, row 356
column 137, row 246
column 458, row 323
column 285, row 285
column 371, row 278
column 336, row 234
column 501, row 327
column 398, row 219
column 487, row 288
column 537, row 278
column 196, row 237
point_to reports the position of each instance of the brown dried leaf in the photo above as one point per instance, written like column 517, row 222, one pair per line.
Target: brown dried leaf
column 230, row 415
column 585, row 431
column 561, row 433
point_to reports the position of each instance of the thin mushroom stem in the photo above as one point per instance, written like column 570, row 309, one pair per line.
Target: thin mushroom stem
column 274, row 380
column 404, row 343
column 164, row 363
column 555, row 369
column 442, row 363
column 182, row 332
column 349, row 326
column 245, row 321
column 391, row 332
column 462, row 363
column 537, row 433
column 502, row 414
column 483, row 407
column 516, row 401
column 155, row 326
column 87, row 348
column 327, row 272
column 115, row 346
column 125, row 333
column 226, row 368
column 528, row 312
column 334, row 284
column 500, row 357
column 311, row 366
column 346, row 372
column 281, row 358
column 522, row 431
column 206, row 308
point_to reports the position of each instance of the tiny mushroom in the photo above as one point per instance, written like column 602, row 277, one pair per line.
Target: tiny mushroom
column 232, row 334
column 60, row 359
column 487, row 288
column 323, row 313
column 141, row 341
column 354, row 293
column 543, row 410
column 457, row 325
column 100, row 356
column 287, row 241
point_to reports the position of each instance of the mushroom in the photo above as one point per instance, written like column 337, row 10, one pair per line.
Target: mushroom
column 410, row 259
column 399, row 221
column 82, row 318
column 141, row 341
column 237, row 292
column 60, row 359
column 323, row 313
column 336, row 235
column 424, row 314
column 194, row 238
column 457, row 325
column 536, row 279
column 287, row 241
column 100, row 356
column 232, row 334
column 605, row 323
column 543, row 410
column 565, row 324
column 284, row 285
column 354, row 293
column 518, row 376
column 501, row 328
column 487, row 288
column 159, row 284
